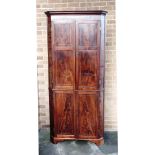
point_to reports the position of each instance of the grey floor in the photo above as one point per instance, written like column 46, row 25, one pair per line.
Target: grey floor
column 72, row 147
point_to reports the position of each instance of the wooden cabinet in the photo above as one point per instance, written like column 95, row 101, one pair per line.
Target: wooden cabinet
column 76, row 74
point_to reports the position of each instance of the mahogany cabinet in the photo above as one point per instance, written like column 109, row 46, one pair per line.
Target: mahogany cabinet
column 76, row 75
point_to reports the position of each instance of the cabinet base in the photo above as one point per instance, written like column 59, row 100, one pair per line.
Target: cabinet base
column 56, row 140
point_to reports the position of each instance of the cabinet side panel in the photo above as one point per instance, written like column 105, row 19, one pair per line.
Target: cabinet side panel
column 51, row 106
column 102, row 77
column 100, row 115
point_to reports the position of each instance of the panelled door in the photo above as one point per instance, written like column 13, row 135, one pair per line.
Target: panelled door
column 63, row 58
column 87, row 49
column 87, row 76
column 63, row 47
column 75, row 81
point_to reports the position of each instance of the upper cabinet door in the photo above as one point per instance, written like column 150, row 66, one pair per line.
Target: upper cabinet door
column 63, row 53
column 87, row 54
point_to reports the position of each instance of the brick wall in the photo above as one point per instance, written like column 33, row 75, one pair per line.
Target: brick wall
column 42, row 56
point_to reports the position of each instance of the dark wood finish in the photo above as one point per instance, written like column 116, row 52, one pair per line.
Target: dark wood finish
column 56, row 140
column 63, row 47
column 87, row 49
column 92, row 12
column 76, row 75
column 87, row 111
column 64, row 113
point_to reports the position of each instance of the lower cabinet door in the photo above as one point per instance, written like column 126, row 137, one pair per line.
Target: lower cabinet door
column 64, row 114
column 76, row 114
column 87, row 103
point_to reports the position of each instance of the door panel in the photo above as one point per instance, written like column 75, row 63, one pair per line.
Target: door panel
column 64, row 69
column 64, row 112
column 87, row 55
column 63, row 33
column 87, row 35
column 63, row 54
column 87, row 67
column 87, row 111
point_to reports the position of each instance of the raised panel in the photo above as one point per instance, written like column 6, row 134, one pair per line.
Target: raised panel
column 88, row 35
column 87, row 55
column 64, row 113
column 64, row 67
column 63, row 54
column 87, row 110
column 63, row 33
column 87, row 70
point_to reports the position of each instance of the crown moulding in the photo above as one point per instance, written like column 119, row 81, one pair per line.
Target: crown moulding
column 93, row 12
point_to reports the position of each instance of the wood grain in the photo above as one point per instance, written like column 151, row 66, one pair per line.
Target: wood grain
column 87, row 49
column 64, row 112
column 63, row 54
column 76, row 72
